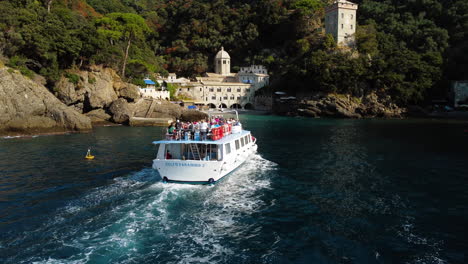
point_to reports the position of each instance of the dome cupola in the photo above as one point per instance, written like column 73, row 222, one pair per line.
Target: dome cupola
column 222, row 62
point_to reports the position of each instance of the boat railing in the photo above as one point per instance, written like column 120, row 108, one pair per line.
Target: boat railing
column 216, row 133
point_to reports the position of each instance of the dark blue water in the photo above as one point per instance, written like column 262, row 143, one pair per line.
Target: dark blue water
column 317, row 191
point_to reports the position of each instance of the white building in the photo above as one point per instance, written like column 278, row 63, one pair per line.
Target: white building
column 150, row 91
column 257, row 75
column 172, row 78
column 225, row 89
column 340, row 21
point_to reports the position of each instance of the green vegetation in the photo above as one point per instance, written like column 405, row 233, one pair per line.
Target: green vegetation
column 410, row 50
column 73, row 78
column 172, row 88
column 19, row 63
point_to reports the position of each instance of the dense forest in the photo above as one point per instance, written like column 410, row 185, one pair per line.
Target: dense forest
column 409, row 49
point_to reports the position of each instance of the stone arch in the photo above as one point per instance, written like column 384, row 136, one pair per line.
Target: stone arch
column 167, row 98
column 211, row 105
column 223, row 105
column 248, row 106
column 236, row 106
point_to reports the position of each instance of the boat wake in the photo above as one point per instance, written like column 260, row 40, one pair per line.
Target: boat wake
column 139, row 219
column 432, row 252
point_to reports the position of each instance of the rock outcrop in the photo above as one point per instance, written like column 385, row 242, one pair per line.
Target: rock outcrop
column 28, row 107
column 121, row 111
column 98, row 115
column 341, row 106
column 192, row 115
column 164, row 110
column 96, row 88
column 101, row 94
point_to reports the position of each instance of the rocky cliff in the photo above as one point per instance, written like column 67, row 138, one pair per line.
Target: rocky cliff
column 340, row 106
column 95, row 88
column 100, row 93
column 28, row 107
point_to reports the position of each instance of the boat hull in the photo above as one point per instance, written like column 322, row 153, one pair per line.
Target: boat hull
column 200, row 172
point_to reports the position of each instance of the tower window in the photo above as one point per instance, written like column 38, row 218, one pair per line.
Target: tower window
column 352, row 16
column 224, row 62
column 342, row 15
column 351, row 26
column 342, row 26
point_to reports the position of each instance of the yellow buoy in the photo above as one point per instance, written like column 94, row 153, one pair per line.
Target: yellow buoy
column 88, row 155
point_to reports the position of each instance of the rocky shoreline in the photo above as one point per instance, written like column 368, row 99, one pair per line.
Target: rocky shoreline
column 82, row 99
column 29, row 108
column 340, row 106
column 97, row 96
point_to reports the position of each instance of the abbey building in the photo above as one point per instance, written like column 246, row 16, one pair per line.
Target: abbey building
column 225, row 89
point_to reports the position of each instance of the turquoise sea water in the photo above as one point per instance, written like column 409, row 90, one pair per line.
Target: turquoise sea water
column 317, row 191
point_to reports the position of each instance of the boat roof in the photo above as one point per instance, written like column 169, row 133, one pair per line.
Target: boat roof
column 224, row 140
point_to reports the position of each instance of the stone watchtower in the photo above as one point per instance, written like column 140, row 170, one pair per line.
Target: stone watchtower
column 222, row 62
column 340, row 21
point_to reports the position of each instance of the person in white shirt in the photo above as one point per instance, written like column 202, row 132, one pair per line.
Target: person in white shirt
column 203, row 129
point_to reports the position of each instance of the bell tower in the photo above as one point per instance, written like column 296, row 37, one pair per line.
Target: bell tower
column 222, row 62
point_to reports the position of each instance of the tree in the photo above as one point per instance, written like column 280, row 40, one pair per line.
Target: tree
column 124, row 26
column 366, row 38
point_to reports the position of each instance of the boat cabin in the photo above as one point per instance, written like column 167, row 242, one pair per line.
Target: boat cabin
column 209, row 150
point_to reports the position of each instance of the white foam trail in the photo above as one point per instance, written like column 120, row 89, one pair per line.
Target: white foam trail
column 143, row 210
column 239, row 195
column 409, row 234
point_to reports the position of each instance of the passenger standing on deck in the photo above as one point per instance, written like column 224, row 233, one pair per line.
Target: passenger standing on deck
column 203, row 129
column 178, row 124
column 171, row 128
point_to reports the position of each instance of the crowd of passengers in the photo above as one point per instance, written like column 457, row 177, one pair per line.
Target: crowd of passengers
column 190, row 130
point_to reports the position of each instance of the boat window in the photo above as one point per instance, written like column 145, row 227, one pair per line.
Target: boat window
column 242, row 141
column 237, row 144
column 246, row 139
column 173, row 151
column 228, row 148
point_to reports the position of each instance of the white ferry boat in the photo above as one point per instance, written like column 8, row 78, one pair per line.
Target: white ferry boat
column 203, row 162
